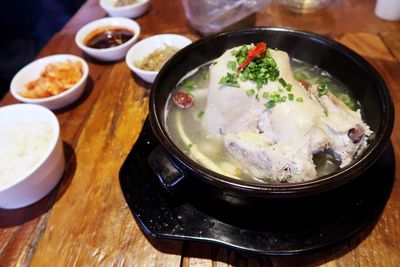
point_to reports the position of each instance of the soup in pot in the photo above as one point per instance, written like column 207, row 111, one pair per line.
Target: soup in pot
column 257, row 115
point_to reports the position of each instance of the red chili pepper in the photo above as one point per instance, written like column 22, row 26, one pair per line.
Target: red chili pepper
column 182, row 100
column 252, row 53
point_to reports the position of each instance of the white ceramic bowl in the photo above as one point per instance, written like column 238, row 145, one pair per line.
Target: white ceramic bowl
column 33, row 70
column 146, row 46
column 112, row 53
column 34, row 182
column 129, row 11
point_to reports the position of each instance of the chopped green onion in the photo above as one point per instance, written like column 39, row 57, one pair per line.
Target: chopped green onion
column 250, row 92
column 189, row 84
column 289, row 87
column 283, row 82
column 244, row 49
column 200, row 114
column 190, row 146
column 299, row 76
column 265, row 94
column 230, row 80
column 322, row 89
column 240, row 60
column 259, row 70
column 290, row 97
column 232, row 65
column 275, row 97
column 348, row 101
column 270, row 104
column 252, row 64
column 299, row 99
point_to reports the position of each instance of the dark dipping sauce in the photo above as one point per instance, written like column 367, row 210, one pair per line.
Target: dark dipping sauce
column 108, row 37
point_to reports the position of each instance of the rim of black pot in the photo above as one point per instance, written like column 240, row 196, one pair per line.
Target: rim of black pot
column 320, row 184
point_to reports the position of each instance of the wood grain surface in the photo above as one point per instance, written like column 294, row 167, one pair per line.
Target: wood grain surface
column 85, row 220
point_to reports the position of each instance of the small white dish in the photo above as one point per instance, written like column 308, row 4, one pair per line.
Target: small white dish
column 112, row 53
column 33, row 182
column 33, row 71
column 146, row 46
column 128, row 11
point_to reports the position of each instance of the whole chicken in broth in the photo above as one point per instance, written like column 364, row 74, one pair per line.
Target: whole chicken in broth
column 269, row 125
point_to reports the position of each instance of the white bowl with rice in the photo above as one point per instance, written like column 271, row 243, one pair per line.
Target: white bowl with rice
column 148, row 56
column 125, row 8
column 31, row 154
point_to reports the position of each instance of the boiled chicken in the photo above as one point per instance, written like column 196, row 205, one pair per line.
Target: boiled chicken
column 278, row 143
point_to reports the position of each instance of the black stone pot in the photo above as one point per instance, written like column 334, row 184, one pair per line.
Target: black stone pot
column 173, row 167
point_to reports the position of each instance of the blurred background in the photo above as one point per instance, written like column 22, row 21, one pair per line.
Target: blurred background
column 27, row 25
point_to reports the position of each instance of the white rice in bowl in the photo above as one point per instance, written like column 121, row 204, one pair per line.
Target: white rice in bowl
column 22, row 147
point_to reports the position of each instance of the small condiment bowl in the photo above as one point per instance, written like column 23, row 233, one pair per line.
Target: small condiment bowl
column 35, row 181
column 127, row 11
column 146, row 46
column 112, row 53
column 33, row 71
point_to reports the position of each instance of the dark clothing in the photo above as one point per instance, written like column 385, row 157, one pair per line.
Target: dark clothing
column 26, row 26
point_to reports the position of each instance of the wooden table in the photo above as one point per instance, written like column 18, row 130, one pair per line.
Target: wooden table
column 85, row 220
